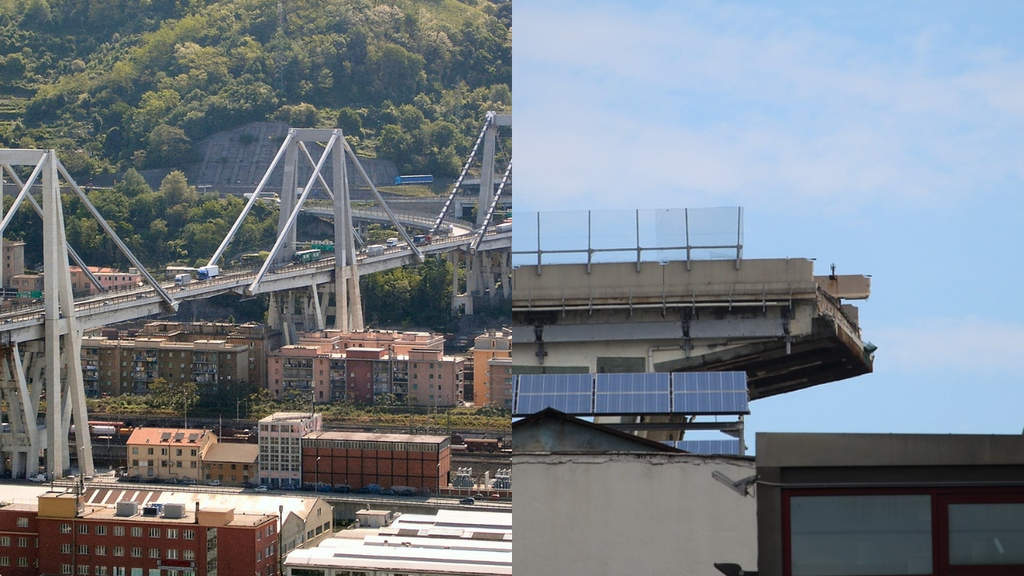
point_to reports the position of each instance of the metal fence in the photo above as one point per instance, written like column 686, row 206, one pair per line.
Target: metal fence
column 595, row 236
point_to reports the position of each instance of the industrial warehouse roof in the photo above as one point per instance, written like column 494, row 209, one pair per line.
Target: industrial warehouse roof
column 169, row 436
column 263, row 503
column 372, row 437
column 233, row 452
column 452, row 542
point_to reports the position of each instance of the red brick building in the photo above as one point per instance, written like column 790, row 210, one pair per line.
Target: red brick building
column 359, row 459
column 80, row 540
column 19, row 540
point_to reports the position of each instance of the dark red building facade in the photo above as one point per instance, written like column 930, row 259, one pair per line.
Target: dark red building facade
column 359, row 459
column 97, row 541
column 19, row 540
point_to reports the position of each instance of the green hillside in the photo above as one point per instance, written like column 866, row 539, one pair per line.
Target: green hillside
column 114, row 84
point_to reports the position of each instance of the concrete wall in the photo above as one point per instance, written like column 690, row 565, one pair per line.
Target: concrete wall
column 654, row 281
column 630, row 514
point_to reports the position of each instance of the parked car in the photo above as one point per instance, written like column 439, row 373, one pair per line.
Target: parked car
column 213, row 483
column 261, row 488
column 467, row 501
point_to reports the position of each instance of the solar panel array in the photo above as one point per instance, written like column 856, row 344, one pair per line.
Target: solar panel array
column 725, row 446
column 699, row 393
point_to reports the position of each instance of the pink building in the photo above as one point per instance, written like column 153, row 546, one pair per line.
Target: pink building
column 110, row 279
column 434, row 379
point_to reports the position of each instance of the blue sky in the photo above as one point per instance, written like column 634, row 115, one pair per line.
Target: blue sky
column 883, row 137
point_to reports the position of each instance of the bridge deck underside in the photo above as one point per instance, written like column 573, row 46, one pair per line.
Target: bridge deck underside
column 826, row 355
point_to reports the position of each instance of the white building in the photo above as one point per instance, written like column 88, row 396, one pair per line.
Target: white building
column 452, row 543
column 280, row 441
column 599, row 502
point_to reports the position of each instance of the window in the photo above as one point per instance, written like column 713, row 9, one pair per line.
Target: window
column 65, row 548
column 101, row 530
column 5, row 541
column 154, row 532
column 187, row 554
column 83, row 528
column 172, row 553
column 83, row 549
column 118, row 530
column 863, row 534
column 83, row 570
column 65, row 569
column 136, row 552
column 136, row 531
column 22, row 562
column 172, row 533
column 189, row 534
column 118, row 550
column 100, row 551
column 65, row 528
column 101, row 571
column 5, row 560
column 986, row 534
column 23, row 542
column 22, row 522
column 154, row 552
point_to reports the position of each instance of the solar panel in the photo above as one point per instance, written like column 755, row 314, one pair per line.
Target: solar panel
column 569, row 393
column 726, row 446
column 165, row 436
column 710, row 393
column 641, row 393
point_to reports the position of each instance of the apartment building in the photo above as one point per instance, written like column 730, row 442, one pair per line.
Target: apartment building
column 86, row 540
column 280, row 447
column 501, row 381
column 232, row 464
column 434, row 379
column 168, row 453
column 115, row 366
column 318, row 368
column 490, row 344
column 19, row 540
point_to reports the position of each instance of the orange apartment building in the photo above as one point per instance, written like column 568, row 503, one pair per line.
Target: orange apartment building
column 168, row 453
column 491, row 344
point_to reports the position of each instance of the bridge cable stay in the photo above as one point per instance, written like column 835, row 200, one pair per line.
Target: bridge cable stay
column 490, row 209
column 302, row 146
column 465, row 168
column 293, row 216
column 252, row 200
column 391, row 215
column 71, row 251
column 168, row 300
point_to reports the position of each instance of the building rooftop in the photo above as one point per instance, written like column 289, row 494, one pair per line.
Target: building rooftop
column 233, row 452
column 281, row 416
column 373, row 437
column 169, row 436
column 452, row 542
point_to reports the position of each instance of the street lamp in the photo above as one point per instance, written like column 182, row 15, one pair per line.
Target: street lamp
column 316, row 475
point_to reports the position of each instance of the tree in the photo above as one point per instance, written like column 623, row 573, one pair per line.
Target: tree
column 168, row 146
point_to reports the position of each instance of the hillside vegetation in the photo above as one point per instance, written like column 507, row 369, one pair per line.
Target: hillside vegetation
column 114, row 84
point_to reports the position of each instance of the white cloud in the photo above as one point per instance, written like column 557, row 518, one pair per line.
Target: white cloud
column 743, row 105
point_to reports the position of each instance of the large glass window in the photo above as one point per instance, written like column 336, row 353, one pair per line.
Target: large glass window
column 862, row 535
column 986, row 534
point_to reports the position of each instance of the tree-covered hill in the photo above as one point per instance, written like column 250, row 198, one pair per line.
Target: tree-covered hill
column 114, row 84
